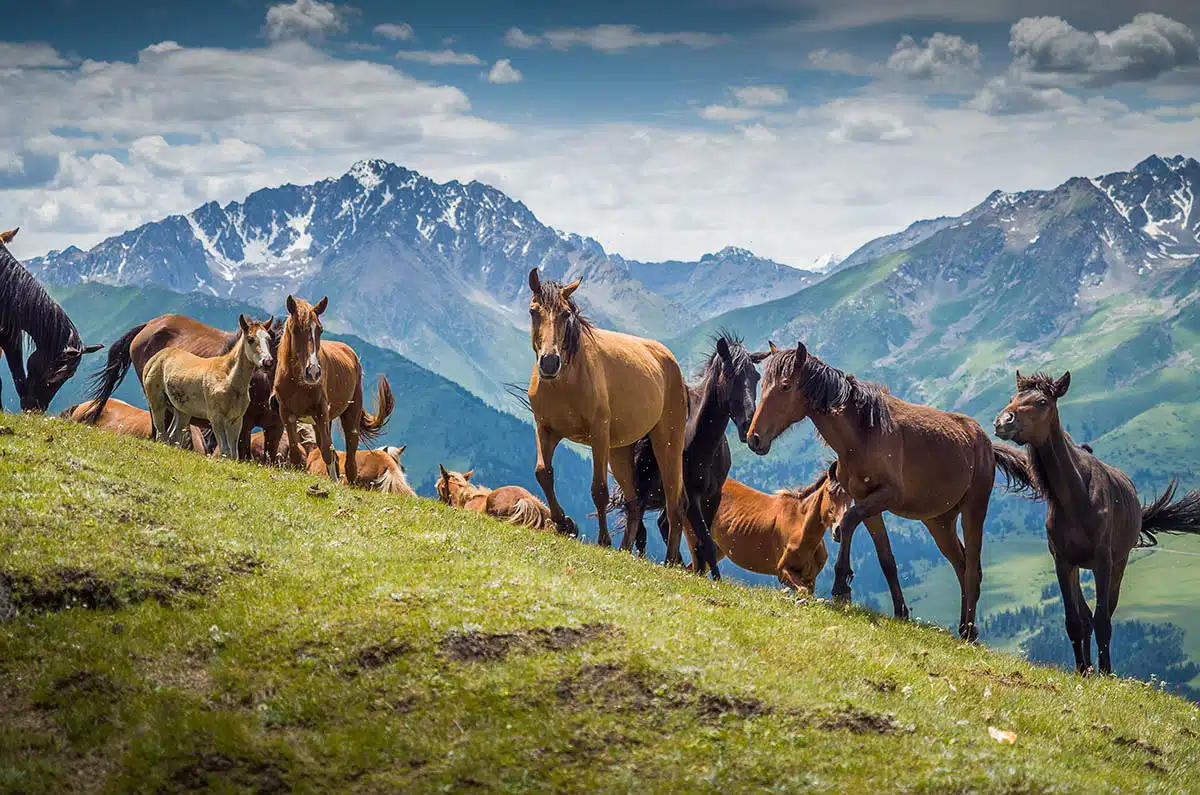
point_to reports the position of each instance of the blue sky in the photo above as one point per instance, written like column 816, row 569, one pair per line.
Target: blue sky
column 796, row 128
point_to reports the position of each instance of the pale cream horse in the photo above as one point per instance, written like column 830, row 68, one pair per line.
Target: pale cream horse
column 215, row 389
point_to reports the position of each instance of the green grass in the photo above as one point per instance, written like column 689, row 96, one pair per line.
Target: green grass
column 190, row 624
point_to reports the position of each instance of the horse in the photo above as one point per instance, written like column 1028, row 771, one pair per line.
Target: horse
column 1093, row 517
column 726, row 391
column 281, row 453
column 607, row 390
column 120, row 417
column 511, row 504
column 137, row 345
column 216, row 389
column 781, row 534
column 26, row 308
column 377, row 470
column 914, row 461
column 324, row 381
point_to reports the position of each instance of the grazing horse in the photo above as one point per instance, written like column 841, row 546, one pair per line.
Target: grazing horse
column 136, row 347
column 281, row 454
column 216, row 389
column 26, row 308
column 378, row 470
column 120, row 417
column 324, row 381
column 607, row 390
column 781, row 534
column 511, row 504
column 727, row 389
column 1093, row 517
column 914, row 461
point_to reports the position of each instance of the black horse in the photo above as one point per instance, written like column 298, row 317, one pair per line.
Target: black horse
column 26, row 308
column 727, row 389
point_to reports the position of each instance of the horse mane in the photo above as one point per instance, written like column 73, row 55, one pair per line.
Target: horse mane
column 577, row 325
column 1040, row 382
column 26, row 306
column 828, row 389
column 804, row 492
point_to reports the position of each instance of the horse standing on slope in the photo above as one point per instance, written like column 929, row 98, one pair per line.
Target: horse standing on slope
column 511, row 504
column 915, row 461
column 216, row 389
column 26, row 308
column 323, row 381
column 1093, row 517
column 136, row 347
column 607, row 390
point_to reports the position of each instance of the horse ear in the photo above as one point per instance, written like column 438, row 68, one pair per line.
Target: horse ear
column 759, row 356
column 801, row 354
column 1019, row 379
column 535, row 282
column 570, row 288
column 1062, row 384
column 723, row 349
column 400, row 449
column 244, row 324
column 270, row 321
column 467, row 475
column 91, row 348
column 6, row 237
column 321, row 306
column 445, row 474
column 772, row 347
column 291, row 305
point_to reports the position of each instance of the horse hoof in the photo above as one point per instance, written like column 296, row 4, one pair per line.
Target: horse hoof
column 841, row 597
column 968, row 632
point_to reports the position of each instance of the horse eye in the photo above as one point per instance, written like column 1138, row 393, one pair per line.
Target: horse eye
column 786, row 387
column 1043, row 402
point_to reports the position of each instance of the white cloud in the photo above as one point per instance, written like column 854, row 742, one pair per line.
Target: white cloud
column 728, row 113
column 162, row 47
column 503, row 73
column 305, row 19
column 839, row 61
column 1050, row 49
column 761, row 96
column 440, row 57
column 1003, row 95
column 939, row 56
column 399, row 32
column 608, row 38
column 869, row 126
column 822, row 15
column 29, row 54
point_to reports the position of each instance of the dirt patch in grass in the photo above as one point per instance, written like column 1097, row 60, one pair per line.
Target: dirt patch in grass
column 860, row 721
column 379, row 655
column 491, row 647
column 1134, row 742
column 1011, row 679
column 217, row 771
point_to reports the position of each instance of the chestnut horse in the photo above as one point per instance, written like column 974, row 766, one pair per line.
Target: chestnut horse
column 914, row 461
column 180, row 385
column 511, row 504
column 1093, row 517
column 781, row 534
column 136, row 346
column 324, row 381
column 120, row 417
column 378, row 470
column 608, row 390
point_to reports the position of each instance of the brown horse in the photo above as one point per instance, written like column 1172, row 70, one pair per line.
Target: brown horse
column 281, row 455
column 511, row 504
column 781, row 534
column 324, row 381
column 608, row 390
column 377, row 470
column 120, row 417
column 915, row 461
column 1093, row 517
column 136, row 347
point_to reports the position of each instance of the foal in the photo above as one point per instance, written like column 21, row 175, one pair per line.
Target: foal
column 512, row 504
column 377, row 470
column 216, row 389
column 1093, row 517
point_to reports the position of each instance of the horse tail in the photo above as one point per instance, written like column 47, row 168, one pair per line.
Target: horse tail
column 372, row 425
column 68, row 413
column 1164, row 516
column 1014, row 465
column 104, row 381
column 392, row 481
column 530, row 512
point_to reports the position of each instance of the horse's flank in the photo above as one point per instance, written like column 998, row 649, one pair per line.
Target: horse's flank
column 512, row 504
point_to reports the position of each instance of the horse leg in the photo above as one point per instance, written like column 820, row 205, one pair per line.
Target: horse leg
column 622, row 469
column 547, row 440
column 887, row 562
column 233, row 435
column 1068, row 584
column 667, row 442
column 974, row 512
column 704, row 551
column 243, row 440
column 945, row 535
column 1103, row 568
column 295, row 454
column 10, row 343
column 271, row 437
column 600, row 454
column 324, row 431
column 221, row 431
column 351, row 418
column 843, row 573
column 873, row 504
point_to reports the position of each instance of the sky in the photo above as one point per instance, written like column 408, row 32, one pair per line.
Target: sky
column 794, row 128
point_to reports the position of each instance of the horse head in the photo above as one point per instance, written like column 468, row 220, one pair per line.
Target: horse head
column 556, row 324
column 47, row 371
column 302, row 336
column 737, row 380
column 782, row 402
column 1032, row 414
column 257, row 346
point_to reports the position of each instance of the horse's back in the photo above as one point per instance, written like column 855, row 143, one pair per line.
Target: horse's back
column 176, row 331
column 642, row 380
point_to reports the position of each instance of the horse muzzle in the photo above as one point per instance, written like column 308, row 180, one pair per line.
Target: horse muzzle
column 312, row 374
column 1006, row 425
column 549, row 366
column 758, row 445
column 743, row 430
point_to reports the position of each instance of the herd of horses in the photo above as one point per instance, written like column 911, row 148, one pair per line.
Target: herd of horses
column 663, row 441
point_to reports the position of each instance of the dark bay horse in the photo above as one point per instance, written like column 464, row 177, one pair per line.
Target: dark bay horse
column 26, row 308
column 138, row 345
column 914, row 461
column 727, row 391
column 1093, row 517
column 608, row 390
column 324, row 381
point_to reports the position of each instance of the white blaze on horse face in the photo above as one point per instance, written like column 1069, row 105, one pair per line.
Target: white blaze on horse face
column 312, row 356
column 264, row 348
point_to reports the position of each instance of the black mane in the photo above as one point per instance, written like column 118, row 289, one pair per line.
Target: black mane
column 828, row 389
column 551, row 295
column 26, row 306
column 737, row 351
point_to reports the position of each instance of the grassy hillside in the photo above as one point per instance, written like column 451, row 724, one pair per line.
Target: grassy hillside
column 188, row 624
